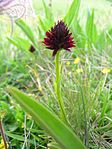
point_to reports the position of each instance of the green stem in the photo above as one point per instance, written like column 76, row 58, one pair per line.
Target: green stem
column 58, row 88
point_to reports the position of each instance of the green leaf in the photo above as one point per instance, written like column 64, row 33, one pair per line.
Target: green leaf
column 46, row 23
column 79, row 36
column 27, row 30
column 91, row 28
column 42, row 24
column 20, row 43
column 72, row 13
column 17, row 137
column 101, row 41
column 48, row 12
column 54, row 126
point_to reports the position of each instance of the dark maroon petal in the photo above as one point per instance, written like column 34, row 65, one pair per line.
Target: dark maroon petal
column 48, row 34
column 68, row 50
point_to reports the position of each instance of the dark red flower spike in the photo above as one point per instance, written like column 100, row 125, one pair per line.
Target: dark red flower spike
column 59, row 38
column 32, row 49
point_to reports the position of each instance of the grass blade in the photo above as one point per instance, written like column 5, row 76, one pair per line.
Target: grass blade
column 72, row 12
column 47, row 10
column 91, row 27
column 20, row 43
column 27, row 30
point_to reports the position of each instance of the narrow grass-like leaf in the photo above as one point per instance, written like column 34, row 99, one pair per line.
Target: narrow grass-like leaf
column 101, row 41
column 17, row 137
column 42, row 24
column 72, row 13
column 20, row 43
column 48, row 12
column 27, row 30
column 48, row 21
column 54, row 126
column 109, row 36
column 79, row 36
column 91, row 28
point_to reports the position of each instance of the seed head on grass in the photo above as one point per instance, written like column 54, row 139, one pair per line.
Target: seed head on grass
column 59, row 38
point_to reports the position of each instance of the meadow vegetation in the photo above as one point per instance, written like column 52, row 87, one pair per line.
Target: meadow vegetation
column 86, row 78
